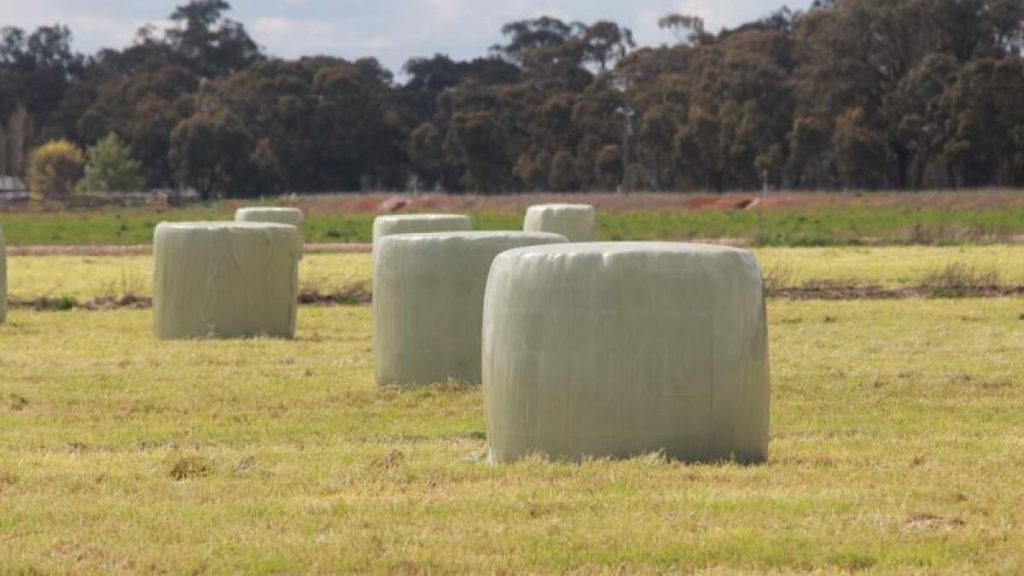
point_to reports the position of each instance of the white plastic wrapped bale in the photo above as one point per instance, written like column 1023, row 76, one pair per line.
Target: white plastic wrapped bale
column 3, row 278
column 419, row 223
column 428, row 292
column 292, row 216
column 225, row 279
column 620, row 349
column 576, row 222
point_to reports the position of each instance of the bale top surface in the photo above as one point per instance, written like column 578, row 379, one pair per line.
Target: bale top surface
column 478, row 236
column 226, row 225
column 624, row 248
column 586, row 207
column 237, row 230
column 281, row 214
column 421, row 217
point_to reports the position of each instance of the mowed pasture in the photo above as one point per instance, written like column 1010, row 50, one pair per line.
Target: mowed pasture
column 897, row 443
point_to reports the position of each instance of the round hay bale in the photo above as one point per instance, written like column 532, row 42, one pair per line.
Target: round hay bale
column 292, row 216
column 428, row 292
column 576, row 222
column 419, row 223
column 3, row 278
column 621, row 349
column 225, row 279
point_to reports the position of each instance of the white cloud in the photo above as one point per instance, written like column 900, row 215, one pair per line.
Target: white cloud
column 447, row 9
column 392, row 30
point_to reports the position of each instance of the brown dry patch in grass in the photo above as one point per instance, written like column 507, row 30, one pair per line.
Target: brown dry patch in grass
column 928, row 521
column 354, row 294
column 839, row 291
column 62, row 303
column 361, row 294
column 191, row 467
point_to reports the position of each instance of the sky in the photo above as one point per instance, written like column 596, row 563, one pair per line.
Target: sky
column 391, row 30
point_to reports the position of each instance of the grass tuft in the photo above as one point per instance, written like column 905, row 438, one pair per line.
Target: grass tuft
column 17, row 403
column 191, row 467
column 390, row 461
column 959, row 280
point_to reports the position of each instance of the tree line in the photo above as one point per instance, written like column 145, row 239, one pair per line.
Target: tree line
column 865, row 94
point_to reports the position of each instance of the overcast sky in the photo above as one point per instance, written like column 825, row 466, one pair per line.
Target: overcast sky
column 391, row 30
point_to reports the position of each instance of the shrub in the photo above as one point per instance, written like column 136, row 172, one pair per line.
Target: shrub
column 111, row 167
column 54, row 168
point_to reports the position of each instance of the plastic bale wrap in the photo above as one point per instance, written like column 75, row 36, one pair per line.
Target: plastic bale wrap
column 225, row 279
column 419, row 223
column 289, row 216
column 3, row 278
column 616, row 350
column 292, row 216
column 576, row 222
column 428, row 292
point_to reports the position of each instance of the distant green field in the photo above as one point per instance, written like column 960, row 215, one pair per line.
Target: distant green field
column 800, row 226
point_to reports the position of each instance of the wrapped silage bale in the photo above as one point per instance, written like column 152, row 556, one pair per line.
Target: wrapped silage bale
column 428, row 292
column 3, row 278
column 419, row 223
column 289, row 216
column 225, row 279
column 621, row 349
column 577, row 222
column 292, row 216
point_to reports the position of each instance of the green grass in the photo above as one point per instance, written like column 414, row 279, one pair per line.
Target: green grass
column 87, row 277
column 825, row 226
column 839, row 224
column 896, row 447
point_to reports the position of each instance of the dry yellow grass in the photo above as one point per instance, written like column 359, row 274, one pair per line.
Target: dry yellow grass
column 890, row 266
column 84, row 278
column 897, row 447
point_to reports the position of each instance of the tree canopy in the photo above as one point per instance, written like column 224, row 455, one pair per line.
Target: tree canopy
column 902, row 94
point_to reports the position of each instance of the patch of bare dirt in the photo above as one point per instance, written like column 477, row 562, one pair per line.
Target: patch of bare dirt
column 360, row 294
column 928, row 521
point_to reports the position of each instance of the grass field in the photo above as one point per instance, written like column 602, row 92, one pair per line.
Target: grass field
column 788, row 220
column 896, row 446
column 897, row 443
column 85, row 278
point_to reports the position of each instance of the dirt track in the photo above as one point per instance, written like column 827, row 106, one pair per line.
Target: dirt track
column 611, row 202
column 360, row 294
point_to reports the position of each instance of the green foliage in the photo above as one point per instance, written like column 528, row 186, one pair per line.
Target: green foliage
column 212, row 153
column 111, row 168
column 564, row 174
column 476, row 142
column 53, row 169
column 894, row 94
